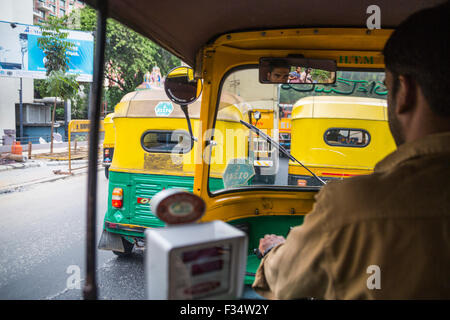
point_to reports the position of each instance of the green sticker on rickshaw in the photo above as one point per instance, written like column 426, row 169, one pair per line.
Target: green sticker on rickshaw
column 238, row 173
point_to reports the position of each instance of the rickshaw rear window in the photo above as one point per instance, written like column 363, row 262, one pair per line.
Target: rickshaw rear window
column 164, row 141
column 346, row 137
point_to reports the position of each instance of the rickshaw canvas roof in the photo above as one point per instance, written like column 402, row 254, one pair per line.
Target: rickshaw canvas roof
column 143, row 104
column 361, row 108
column 183, row 27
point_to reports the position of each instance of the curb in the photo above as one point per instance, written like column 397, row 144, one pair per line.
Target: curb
column 25, row 165
column 19, row 187
column 19, row 165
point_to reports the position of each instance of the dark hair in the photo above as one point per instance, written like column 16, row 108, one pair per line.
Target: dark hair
column 279, row 64
column 419, row 48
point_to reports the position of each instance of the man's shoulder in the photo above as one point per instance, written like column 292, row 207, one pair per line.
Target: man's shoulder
column 358, row 187
column 349, row 200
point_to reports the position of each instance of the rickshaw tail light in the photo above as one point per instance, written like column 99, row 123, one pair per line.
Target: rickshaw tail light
column 301, row 183
column 117, row 198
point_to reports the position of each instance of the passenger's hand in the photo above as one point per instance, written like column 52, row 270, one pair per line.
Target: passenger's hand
column 269, row 241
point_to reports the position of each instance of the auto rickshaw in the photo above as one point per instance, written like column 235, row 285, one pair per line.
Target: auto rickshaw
column 108, row 143
column 337, row 137
column 321, row 31
column 154, row 152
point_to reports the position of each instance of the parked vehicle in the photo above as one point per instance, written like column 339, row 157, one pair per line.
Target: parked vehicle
column 337, row 137
column 154, row 151
column 108, row 142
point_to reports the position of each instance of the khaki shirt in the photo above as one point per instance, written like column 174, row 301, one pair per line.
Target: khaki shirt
column 381, row 236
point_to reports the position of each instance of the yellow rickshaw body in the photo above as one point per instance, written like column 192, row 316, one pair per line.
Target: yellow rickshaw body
column 140, row 170
column 314, row 116
column 108, row 142
column 108, row 124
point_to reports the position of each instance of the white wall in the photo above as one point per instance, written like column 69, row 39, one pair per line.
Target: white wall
column 20, row 11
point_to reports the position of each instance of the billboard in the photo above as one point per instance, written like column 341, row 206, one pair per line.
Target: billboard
column 21, row 57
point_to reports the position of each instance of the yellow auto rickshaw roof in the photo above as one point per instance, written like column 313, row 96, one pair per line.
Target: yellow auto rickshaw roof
column 340, row 107
column 142, row 104
column 108, row 118
column 184, row 27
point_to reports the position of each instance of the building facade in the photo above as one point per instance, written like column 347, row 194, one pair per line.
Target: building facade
column 43, row 9
column 19, row 11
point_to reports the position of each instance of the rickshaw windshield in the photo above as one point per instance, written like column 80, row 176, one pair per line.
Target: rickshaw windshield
column 330, row 128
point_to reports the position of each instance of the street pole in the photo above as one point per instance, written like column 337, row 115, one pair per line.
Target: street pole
column 20, row 111
column 90, row 287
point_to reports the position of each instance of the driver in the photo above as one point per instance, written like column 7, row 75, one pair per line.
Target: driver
column 278, row 72
column 385, row 235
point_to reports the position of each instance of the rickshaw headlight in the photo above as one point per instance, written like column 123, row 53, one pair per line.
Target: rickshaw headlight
column 117, row 198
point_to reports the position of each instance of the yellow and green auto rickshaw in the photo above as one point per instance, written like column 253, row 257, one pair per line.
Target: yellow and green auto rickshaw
column 319, row 32
column 153, row 152
column 108, row 142
column 337, row 137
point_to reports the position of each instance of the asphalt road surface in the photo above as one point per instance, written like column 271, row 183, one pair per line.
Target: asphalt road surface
column 42, row 234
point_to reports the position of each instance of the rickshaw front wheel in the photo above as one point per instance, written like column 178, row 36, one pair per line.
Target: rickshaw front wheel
column 128, row 246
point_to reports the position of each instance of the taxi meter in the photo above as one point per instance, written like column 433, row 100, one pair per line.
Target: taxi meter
column 189, row 260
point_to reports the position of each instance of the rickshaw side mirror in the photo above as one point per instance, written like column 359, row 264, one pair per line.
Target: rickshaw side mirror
column 257, row 115
column 181, row 87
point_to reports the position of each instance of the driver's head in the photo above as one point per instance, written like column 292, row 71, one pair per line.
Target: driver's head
column 278, row 72
column 417, row 59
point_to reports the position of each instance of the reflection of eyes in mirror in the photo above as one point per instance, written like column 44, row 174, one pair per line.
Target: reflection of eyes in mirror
column 278, row 75
column 278, row 71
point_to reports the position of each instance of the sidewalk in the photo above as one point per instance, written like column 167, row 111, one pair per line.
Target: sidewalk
column 18, row 175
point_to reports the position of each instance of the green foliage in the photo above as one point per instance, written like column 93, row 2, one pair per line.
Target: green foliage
column 54, row 45
column 80, row 104
column 128, row 55
column 60, row 84
column 40, row 88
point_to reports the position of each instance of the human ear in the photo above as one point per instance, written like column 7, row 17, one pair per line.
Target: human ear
column 406, row 94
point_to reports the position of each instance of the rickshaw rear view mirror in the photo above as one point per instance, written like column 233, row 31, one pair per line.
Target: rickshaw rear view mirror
column 181, row 87
column 297, row 70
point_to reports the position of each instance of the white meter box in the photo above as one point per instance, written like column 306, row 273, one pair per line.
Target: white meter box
column 195, row 261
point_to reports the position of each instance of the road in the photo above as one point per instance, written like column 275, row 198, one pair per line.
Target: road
column 42, row 234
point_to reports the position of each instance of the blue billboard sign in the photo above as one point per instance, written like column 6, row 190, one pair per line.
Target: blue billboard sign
column 20, row 55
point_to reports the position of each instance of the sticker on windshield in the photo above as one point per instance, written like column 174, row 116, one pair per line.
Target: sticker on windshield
column 163, row 109
column 237, row 173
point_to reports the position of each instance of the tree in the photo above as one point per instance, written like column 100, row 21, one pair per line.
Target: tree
column 128, row 55
column 55, row 47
